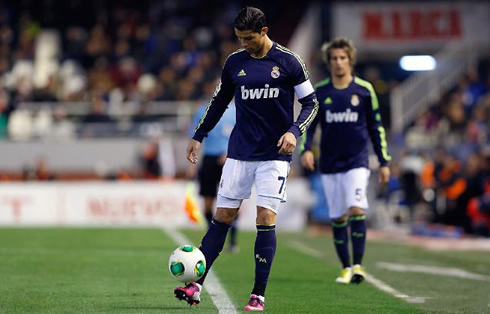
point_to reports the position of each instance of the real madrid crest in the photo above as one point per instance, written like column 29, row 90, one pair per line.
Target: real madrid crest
column 275, row 72
column 354, row 101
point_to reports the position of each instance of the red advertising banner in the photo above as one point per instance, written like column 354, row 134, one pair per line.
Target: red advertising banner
column 407, row 26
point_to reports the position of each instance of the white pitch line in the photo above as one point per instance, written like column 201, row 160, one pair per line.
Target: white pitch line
column 443, row 271
column 369, row 278
column 307, row 250
column 212, row 284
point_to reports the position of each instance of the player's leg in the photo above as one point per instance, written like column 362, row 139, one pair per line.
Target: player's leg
column 264, row 252
column 337, row 212
column 356, row 181
column 341, row 242
column 358, row 230
column 270, row 181
column 213, row 242
column 211, row 245
column 235, row 186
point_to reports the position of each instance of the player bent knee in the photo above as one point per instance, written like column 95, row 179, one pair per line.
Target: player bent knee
column 226, row 215
column 340, row 220
column 227, row 209
column 270, row 203
column 265, row 216
column 356, row 211
column 267, row 210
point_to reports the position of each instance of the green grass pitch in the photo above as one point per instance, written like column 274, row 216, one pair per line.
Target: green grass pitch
column 124, row 270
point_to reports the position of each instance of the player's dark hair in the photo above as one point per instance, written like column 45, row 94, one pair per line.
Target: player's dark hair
column 340, row 43
column 250, row 18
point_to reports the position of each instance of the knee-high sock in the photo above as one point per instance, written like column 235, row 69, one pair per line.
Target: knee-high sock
column 212, row 244
column 341, row 241
column 265, row 249
column 358, row 237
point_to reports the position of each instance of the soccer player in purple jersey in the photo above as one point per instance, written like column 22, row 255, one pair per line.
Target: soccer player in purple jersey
column 349, row 117
column 263, row 77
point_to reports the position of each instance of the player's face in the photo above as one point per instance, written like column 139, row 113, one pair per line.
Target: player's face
column 251, row 41
column 339, row 62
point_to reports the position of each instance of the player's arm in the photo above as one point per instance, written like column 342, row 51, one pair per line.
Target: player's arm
column 378, row 135
column 307, row 157
column 213, row 113
column 309, row 109
column 216, row 107
column 192, row 168
column 309, row 105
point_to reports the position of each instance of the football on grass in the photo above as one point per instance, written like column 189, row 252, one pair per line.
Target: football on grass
column 187, row 264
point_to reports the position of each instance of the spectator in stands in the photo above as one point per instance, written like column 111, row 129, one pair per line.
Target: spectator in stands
column 4, row 113
column 478, row 208
column 49, row 92
column 474, row 174
column 150, row 161
column 96, row 120
column 451, row 184
column 62, row 128
column 411, row 165
column 40, row 172
column 471, row 88
column 478, row 128
column 452, row 127
column 99, row 77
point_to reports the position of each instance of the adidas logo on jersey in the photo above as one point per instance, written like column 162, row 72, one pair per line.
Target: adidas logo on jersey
column 346, row 116
column 242, row 73
column 259, row 93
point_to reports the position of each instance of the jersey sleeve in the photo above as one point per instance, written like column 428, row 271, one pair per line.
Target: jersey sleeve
column 306, row 95
column 376, row 130
column 309, row 110
column 297, row 70
column 217, row 105
column 195, row 120
column 308, row 136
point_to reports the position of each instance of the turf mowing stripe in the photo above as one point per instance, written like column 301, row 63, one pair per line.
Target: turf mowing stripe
column 212, row 284
column 443, row 271
column 369, row 278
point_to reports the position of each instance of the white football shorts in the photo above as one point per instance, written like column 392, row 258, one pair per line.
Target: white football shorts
column 345, row 190
column 238, row 176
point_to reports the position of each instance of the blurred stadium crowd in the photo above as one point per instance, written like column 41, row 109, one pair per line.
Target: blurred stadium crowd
column 93, row 62
column 442, row 170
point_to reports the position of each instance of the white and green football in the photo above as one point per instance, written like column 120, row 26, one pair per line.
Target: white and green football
column 187, row 264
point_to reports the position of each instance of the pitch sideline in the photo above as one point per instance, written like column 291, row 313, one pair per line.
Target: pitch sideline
column 434, row 270
column 212, row 285
column 369, row 278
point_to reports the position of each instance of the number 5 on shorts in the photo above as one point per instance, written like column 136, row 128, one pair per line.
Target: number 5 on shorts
column 358, row 194
column 283, row 179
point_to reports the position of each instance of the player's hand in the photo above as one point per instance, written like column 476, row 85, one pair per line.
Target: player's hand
column 384, row 174
column 308, row 160
column 193, row 150
column 287, row 143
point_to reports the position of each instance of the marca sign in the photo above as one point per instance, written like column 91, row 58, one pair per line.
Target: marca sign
column 433, row 23
column 378, row 27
